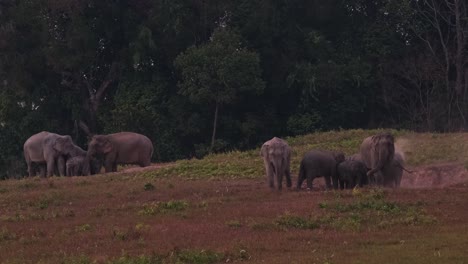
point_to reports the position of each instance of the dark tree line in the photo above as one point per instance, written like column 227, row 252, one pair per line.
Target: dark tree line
column 198, row 76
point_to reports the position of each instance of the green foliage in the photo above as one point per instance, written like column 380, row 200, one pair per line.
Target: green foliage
column 172, row 206
column 291, row 221
column 198, row 257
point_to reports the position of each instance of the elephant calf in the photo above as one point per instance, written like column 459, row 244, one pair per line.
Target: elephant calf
column 276, row 155
column 75, row 166
column 318, row 163
column 352, row 173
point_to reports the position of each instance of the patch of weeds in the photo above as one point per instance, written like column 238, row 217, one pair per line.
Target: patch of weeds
column 51, row 184
column 141, row 227
column 120, row 234
column 323, row 205
column 3, row 190
column 6, row 235
column 69, row 213
column 261, row 226
column 198, row 257
column 148, row 187
column 27, row 186
column 234, row 223
column 83, row 183
column 100, row 210
column 370, row 208
column 203, row 204
column 16, row 218
column 292, row 221
column 82, row 228
column 153, row 259
column 164, row 207
column 42, row 204
column 82, row 259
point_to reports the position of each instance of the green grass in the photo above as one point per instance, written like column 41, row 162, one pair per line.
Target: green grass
column 164, row 207
column 419, row 149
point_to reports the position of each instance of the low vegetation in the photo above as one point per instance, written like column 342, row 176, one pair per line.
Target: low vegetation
column 418, row 148
column 220, row 210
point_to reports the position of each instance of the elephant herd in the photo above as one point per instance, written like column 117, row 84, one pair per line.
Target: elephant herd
column 48, row 153
column 376, row 163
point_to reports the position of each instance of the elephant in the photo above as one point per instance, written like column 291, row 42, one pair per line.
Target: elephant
column 48, row 151
column 393, row 174
column 352, row 173
column 320, row 163
column 276, row 155
column 377, row 153
column 120, row 148
column 75, row 166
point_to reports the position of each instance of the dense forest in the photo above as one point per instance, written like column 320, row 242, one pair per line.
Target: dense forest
column 201, row 76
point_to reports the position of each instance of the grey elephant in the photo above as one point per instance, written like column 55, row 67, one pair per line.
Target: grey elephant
column 352, row 173
column 120, row 148
column 276, row 155
column 393, row 174
column 75, row 166
column 47, row 151
column 377, row 154
column 320, row 163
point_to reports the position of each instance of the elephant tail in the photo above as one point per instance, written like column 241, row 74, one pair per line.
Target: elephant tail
column 405, row 169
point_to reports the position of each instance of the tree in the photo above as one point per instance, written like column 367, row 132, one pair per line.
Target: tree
column 219, row 72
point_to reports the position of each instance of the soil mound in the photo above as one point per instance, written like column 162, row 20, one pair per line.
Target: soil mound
column 435, row 176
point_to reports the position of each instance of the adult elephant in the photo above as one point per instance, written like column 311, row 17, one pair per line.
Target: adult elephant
column 377, row 153
column 320, row 163
column 393, row 174
column 276, row 155
column 120, row 148
column 48, row 150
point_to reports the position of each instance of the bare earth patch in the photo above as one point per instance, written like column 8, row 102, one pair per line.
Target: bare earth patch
column 106, row 217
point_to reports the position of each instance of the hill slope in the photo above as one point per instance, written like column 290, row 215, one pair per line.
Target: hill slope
column 219, row 209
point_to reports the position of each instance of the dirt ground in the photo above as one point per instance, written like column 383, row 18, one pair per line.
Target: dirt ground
column 100, row 218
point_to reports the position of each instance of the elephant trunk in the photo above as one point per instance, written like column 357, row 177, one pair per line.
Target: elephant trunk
column 384, row 153
column 87, row 165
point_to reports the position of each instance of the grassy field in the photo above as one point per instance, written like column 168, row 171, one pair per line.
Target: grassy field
column 219, row 210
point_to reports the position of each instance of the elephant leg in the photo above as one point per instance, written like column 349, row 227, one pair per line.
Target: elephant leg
column 31, row 170
column 114, row 167
column 61, row 165
column 288, row 178
column 109, row 166
column 42, row 170
column 328, row 182
column 270, row 175
column 310, row 178
column 341, row 184
column 69, row 171
column 279, row 181
column 50, row 167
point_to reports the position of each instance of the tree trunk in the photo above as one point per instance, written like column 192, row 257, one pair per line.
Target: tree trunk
column 213, row 136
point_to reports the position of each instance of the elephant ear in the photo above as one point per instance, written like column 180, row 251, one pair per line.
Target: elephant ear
column 264, row 151
column 107, row 146
column 61, row 143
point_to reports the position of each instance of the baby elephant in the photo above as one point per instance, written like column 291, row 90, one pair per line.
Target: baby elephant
column 352, row 173
column 75, row 166
column 319, row 163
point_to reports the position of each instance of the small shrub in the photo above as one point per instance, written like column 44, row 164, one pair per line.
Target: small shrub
column 198, row 257
column 291, row 221
column 148, row 187
column 6, row 235
column 164, row 207
column 84, row 227
column 234, row 223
